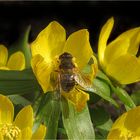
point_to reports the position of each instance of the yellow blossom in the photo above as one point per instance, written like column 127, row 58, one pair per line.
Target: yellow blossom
column 46, row 49
column 21, row 127
column 15, row 62
column 118, row 58
column 127, row 126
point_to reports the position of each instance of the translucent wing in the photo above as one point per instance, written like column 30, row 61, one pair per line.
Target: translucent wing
column 83, row 80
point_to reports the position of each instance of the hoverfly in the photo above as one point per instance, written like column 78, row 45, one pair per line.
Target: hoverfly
column 69, row 76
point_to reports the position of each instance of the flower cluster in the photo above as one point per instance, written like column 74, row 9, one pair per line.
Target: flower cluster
column 68, row 68
column 21, row 127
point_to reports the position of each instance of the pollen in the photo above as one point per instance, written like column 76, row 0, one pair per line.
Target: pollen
column 10, row 132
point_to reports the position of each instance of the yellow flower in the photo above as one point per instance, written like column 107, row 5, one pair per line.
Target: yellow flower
column 21, row 127
column 118, row 58
column 127, row 126
column 46, row 49
column 15, row 62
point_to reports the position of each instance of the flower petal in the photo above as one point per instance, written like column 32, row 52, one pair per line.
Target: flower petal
column 94, row 68
column 42, row 71
column 1, row 137
column 6, row 110
column 119, row 123
column 126, row 126
column 125, row 69
column 85, row 77
column 50, row 41
column 26, row 133
column 3, row 55
column 115, row 134
column 16, row 61
column 4, row 68
column 24, row 118
column 78, row 97
column 132, row 120
column 115, row 49
column 40, row 133
column 104, row 35
column 134, row 36
column 79, row 46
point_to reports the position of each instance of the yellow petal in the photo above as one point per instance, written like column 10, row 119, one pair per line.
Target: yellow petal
column 16, row 61
column 94, row 68
column 24, row 118
column 4, row 68
column 1, row 137
column 50, row 41
column 79, row 46
column 125, row 69
column 115, row 134
column 42, row 71
column 3, row 55
column 138, row 132
column 85, row 77
column 115, row 49
column 40, row 133
column 104, row 35
column 135, row 42
column 6, row 110
column 78, row 97
column 119, row 123
column 132, row 121
column 126, row 126
column 26, row 133
column 133, row 35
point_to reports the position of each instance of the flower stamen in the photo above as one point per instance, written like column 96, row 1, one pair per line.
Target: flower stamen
column 10, row 132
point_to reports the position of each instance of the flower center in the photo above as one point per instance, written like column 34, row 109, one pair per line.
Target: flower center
column 128, row 135
column 10, row 132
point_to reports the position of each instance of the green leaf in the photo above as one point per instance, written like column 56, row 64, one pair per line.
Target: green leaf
column 39, row 107
column 49, row 113
column 102, row 76
column 78, row 125
column 62, row 131
column 136, row 97
column 104, row 129
column 99, row 116
column 22, row 45
column 104, row 87
column 18, row 82
column 124, row 97
column 52, row 117
column 94, row 98
column 99, row 90
column 102, row 121
column 122, row 94
column 101, row 87
column 17, row 99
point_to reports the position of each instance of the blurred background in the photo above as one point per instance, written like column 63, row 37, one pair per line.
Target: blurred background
column 16, row 16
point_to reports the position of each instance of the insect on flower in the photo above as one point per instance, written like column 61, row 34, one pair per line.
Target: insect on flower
column 59, row 64
column 69, row 75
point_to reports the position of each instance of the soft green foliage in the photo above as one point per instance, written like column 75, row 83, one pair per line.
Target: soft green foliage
column 77, row 125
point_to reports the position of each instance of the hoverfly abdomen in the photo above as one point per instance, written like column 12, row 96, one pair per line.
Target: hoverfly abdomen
column 67, row 82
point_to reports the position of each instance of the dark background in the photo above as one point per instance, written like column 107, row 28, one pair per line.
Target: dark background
column 15, row 16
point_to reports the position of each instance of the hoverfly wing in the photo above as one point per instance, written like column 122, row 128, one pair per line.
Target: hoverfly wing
column 83, row 81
